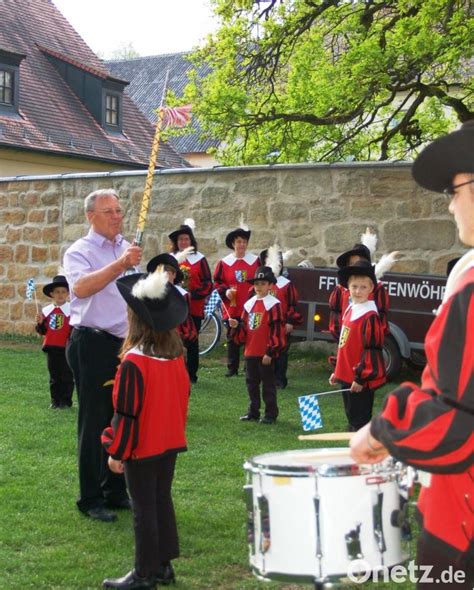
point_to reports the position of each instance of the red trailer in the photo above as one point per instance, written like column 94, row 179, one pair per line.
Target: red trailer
column 413, row 299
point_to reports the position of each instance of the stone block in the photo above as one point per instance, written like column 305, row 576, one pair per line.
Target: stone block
column 3, row 200
column 21, row 272
column 73, row 212
column 373, row 210
column 22, row 252
column 39, row 254
column 51, row 198
column 207, row 246
column 16, row 310
column 7, row 291
column 55, row 252
column 37, row 216
column 281, row 212
column 4, row 309
column 439, row 205
column 6, row 253
column 71, row 233
column 428, row 234
column 411, row 265
column 31, row 234
column 342, row 236
column 348, row 182
column 50, row 235
column 414, row 209
column 29, row 199
column 13, row 235
column 14, row 200
column 214, row 196
column 329, row 213
column 12, row 216
column 40, row 185
column 301, row 183
column 440, row 263
column 53, row 215
column 256, row 185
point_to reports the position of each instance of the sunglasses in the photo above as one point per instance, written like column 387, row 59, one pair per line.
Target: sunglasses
column 450, row 192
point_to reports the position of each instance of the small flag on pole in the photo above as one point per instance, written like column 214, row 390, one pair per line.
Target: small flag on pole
column 30, row 289
column 212, row 303
column 310, row 412
column 175, row 116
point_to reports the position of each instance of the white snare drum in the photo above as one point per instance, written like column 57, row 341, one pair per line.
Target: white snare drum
column 312, row 512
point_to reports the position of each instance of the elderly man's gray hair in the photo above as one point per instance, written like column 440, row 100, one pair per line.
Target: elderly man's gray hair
column 89, row 201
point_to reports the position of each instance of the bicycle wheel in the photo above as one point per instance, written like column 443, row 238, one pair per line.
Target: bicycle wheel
column 210, row 333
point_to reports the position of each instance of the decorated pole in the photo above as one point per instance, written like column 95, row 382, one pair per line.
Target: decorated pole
column 167, row 117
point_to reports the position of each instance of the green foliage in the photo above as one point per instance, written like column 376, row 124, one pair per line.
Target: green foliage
column 329, row 80
column 47, row 544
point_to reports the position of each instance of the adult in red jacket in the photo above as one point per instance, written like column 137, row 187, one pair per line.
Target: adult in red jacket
column 231, row 279
column 197, row 281
column 431, row 426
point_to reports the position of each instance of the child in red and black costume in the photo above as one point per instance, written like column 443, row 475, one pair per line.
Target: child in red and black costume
column 197, row 281
column 287, row 295
column 339, row 297
column 360, row 365
column 261, row 329
column 187, row 328
column 150, row 396
column 232, row 280
column 53, row 324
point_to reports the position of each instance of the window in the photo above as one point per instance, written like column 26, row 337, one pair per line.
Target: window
column 6, row 87
column 112, row 110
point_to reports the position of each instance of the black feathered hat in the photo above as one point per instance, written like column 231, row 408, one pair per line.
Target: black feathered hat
column 156, row 301
column 169, row 260
column 236, row 233
column 440, row 161
column 183, row 229
column 263, row 273
column 361, row 268
column 357, row 250
column 58, row 281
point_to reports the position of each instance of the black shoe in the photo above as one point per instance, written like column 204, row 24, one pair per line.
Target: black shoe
column 166, row 576
column 231, row 373
column 132, row 581
column 54, row 406
column 193, row 379
column 123, row 504
column 281, row 384
column 267, row 420
column 249, row 418
column 100, row 513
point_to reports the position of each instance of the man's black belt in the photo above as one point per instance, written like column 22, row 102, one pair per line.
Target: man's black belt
column 98, row 332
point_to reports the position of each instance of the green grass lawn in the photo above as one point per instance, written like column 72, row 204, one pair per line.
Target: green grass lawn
column 47, row 543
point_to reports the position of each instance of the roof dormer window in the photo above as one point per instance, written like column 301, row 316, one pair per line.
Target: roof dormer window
column 112, row 110
column 6, row 87
column 9, row 81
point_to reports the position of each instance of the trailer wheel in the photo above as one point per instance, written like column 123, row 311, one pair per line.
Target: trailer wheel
column 417, row 359
column 392, row 357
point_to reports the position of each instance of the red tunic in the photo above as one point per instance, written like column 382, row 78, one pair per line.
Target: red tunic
column 187, row 330
column 55, row 326
column 431, row 426
column 197, row 281
column 235, row 272
column 287, row 294
column 261, row 327
column 359, row 354
column 150, row 398
column 339, row 302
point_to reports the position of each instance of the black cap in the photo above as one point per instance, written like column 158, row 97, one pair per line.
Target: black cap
column 263, row 273
column 357, row 250
column 169, row 260
column 361, row 268
column 58, row 281
column 236, row 233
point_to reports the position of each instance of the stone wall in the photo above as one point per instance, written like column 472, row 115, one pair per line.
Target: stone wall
column 320, row 208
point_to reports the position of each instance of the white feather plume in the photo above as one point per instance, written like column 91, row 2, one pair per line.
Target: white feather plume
column 242, row 223
column 181, row 256
column 287, row 255
column 385, row 264
column 305, row 264
column 189, row 221
column 369, row 239
column 61, row 270
column 153, row 286
column 273, row 259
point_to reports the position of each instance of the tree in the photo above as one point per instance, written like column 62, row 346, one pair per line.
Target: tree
column 329, row 80
column 124, row 51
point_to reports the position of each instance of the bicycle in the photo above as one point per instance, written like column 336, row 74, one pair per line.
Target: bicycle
column 211, row 327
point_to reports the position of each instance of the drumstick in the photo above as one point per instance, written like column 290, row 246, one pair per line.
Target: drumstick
column 327, row 436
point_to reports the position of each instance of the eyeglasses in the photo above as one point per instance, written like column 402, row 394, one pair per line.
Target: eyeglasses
column 110, row 212
column 450, row 192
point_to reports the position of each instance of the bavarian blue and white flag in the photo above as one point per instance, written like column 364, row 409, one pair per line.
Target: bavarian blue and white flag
column 310, row 412
column 30, row 289
column 213, row 302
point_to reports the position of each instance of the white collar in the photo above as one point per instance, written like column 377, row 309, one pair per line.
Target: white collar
column 360, row 309
column 65, row 308
column 191, row 258
column 181, row 290
column 282, row 281
column 269, row 301
column 139, row 352
column 231, row 259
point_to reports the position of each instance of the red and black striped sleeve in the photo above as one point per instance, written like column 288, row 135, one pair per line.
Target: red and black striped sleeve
column 219, row 279
column 276, row 337
column 335, row 311
column 121, row 438
column 239, row 334
column 371, row 365
column 41, row 328
column 187, row 329
column 382, row 301
column 431, row 426
column 293, row 316
column 205, row 281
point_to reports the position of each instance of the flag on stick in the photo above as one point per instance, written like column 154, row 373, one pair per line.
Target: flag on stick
column 175, row 116
column 31, row 291
column 310, row 412
column 212, row 303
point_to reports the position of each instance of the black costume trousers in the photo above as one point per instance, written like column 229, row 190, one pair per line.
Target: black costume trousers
column 233, row 351
column 358, row 406
column 257, row 374
column 281, row 367
column 192, row 357
column 93, row 357
column 156, row 535
column 61, row 380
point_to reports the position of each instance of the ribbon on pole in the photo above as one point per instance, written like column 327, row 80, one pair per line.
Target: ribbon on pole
column 30, row 291
column 167, row 117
